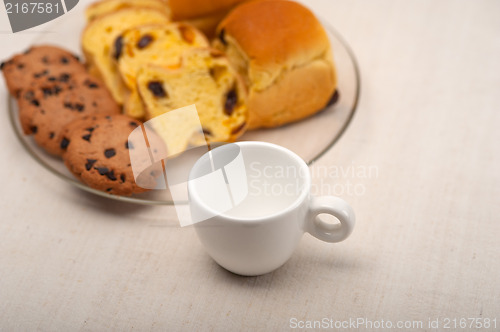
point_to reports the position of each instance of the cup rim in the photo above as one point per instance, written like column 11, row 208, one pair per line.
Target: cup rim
column 300, row 198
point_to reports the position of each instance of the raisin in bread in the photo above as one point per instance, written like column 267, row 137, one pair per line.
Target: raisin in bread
column 99, row 42
column 103, row 7
column 205, row 78
column 161, row 44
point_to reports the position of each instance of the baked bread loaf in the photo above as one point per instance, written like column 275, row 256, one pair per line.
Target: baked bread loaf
column 108, row 6
column 99, row 42
column 161, row 44
column 205, row 78
column 284, row 56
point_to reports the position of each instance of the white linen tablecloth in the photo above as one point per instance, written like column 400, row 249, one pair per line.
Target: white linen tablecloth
column 426, row 244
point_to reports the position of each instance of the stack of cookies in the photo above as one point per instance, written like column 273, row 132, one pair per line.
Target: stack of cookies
column 72, row 115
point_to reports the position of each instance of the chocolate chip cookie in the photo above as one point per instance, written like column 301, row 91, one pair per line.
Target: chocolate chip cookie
column 46, row 107
column 38, row 63
column 97, row 153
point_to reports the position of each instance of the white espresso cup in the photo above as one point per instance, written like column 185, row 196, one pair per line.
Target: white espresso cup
column 261, row 231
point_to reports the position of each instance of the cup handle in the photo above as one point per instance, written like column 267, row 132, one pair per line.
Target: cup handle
column 338, row 208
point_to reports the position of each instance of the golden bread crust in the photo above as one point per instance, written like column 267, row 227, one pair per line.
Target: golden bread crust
column 275, row 33
column 103, row 7
column 189, row 9
column 284, row 56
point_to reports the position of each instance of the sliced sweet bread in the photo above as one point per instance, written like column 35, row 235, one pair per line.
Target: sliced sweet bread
column 205, row 78
column 99, row 42
column 104, row 7
column 160, row 44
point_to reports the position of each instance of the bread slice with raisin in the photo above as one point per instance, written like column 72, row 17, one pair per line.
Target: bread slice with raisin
column 204, row 78
column 160, row 44
column 100, row 43
column 104, row 7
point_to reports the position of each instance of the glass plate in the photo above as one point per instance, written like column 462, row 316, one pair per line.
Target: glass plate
column 310, row 138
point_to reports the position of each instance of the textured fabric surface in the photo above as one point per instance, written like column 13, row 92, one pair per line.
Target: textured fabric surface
column 426, row 240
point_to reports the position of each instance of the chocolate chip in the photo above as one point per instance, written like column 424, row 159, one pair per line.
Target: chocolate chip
column 109, row 153
column 64, row 77
column 238, row 129
column 64, row 143
column 333, row 99
column 111, row 175
column 102, row 170
column 2, row 65
column 118, row 47
column 79, row 107
column 156, row 88
column 90, row 129
column 109, row 189
column 129, row 145
column 144, row 41
column 89, row 164
column 91, row 85
column 20, row 66
column 34, row 129
column 122, row 177
column 231, row 100
column 47, row 92
column 45, row 60
column 222, row 36
column 64, row 60
column 51, row 135
column 35, row 102
column 40, row 74
column 87, row 137
column 68, row 105
column 133, row 124
column 51, row 78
